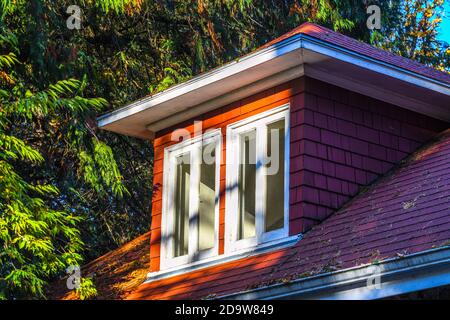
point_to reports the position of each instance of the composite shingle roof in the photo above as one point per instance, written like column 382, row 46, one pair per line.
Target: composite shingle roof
column 323, row 53
column 116, row 274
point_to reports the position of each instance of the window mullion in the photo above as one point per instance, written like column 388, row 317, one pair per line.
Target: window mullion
column 233, row 166
column 260, row 181
column 218, row 161
column 194, row 200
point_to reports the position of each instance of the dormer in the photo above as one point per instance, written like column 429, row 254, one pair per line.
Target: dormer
column 250, row 156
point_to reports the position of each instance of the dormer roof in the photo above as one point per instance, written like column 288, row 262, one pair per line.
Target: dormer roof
column 309, row 50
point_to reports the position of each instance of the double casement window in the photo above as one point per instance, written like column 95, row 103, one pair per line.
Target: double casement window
column 256, row 206
column 191, row 200
column 257, row 180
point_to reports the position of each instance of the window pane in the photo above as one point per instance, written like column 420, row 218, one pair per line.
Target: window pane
column 181, row 219
column 207, row 195
column 247, row 179
column 274, row 218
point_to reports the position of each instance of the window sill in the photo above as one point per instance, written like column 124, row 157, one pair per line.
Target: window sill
column 223, row 258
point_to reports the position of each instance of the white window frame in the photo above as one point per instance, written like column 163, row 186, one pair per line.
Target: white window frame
column 194, row 146
column 258, row 122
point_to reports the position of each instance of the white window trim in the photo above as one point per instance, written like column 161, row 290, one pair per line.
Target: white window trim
column 258, row 122
column 194, row 146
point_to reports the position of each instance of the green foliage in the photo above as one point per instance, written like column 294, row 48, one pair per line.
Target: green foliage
column 38, row 237
column 87, row 289
column 37, row 240
column 9, row 6
column 100, row 169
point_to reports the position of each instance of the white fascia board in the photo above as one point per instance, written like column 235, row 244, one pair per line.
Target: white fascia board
column 415, row 272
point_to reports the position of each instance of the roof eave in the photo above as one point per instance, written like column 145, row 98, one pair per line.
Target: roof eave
column 222, row 84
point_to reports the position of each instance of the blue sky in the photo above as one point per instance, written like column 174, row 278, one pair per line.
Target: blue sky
column 444, row 32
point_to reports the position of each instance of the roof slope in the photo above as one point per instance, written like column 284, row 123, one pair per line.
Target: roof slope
column 335, row 38
column 406, row 211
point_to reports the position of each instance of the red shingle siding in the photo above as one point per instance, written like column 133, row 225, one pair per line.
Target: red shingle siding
column 342, row 141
